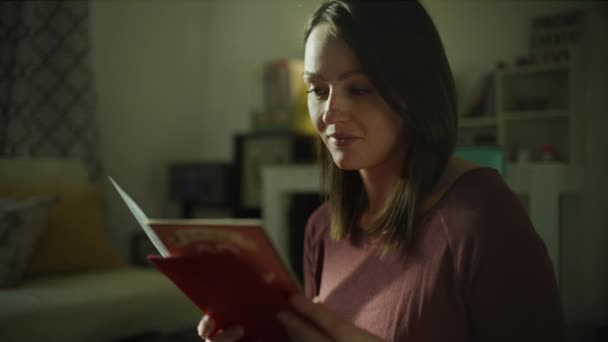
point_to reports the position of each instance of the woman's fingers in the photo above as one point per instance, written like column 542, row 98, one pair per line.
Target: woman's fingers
column 327, row 323
column 205, row 327
column 319, row 315
column 231, row 334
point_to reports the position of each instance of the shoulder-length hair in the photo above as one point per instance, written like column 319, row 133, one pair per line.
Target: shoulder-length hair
column 402, row 55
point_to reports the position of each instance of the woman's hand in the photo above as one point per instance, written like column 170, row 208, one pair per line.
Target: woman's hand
column 319, row 324
column 207, row 325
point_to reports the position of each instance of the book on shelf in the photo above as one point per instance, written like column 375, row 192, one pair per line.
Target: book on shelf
column 228, row 268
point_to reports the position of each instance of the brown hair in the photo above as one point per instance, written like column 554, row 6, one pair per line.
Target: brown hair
column 401, row 53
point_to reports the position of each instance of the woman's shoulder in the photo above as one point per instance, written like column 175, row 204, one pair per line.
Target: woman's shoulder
column 481, row 204
column 465, row 184
column 478, row 188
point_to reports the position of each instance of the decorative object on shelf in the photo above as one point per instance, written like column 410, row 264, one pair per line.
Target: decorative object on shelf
column 205, row 184
column 285, row 99
column 535, row 88
column 522, row 61
column 524, row 155
column 488, row 156
column 477, row 121
column 553, row 37
column 256, row 150
column 483, row 103
column 548, row 153
column 486, row 139
column 534, row 106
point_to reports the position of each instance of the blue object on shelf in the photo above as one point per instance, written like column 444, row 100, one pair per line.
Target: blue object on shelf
column 489, row 156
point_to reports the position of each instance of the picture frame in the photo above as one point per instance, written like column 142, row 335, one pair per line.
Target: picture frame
column 253, row 151
column 201, row 184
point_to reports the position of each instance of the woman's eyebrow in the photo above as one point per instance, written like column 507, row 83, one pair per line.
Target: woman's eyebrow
column 344, row 75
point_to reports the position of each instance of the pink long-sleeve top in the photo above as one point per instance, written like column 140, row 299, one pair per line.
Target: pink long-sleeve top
column 476, row 270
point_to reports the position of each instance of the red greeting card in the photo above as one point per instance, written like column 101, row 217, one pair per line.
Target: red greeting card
column 227, row 267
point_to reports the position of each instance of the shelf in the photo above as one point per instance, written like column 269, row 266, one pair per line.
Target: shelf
column 477, row 122
column 534, row 68
column 536, row 114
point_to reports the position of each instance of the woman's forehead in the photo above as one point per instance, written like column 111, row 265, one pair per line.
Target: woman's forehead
column 326, row 55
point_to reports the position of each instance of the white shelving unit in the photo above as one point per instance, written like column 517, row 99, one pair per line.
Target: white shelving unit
column 533, row 107
column 531, row 115
column 478, row 122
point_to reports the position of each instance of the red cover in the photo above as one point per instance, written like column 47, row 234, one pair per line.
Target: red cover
column 231, row 273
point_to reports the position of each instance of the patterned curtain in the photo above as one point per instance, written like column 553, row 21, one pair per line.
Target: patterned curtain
column 47, row 95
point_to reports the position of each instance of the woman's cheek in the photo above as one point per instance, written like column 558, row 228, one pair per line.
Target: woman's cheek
column 315, row 116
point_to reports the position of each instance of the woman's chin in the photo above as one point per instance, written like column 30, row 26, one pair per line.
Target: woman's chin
column 346, row 165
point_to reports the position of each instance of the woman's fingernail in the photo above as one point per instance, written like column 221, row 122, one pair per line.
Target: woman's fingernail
column 316, row 300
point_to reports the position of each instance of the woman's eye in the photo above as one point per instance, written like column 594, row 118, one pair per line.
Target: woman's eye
column 319, row 92
column 360, row 91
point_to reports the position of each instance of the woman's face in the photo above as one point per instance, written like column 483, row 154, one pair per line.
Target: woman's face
column 357, row 126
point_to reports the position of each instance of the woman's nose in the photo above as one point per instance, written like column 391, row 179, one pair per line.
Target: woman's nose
column 335, row 108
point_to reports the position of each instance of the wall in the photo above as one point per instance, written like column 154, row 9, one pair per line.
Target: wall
column 247, row 34
column 478, row 34
column 149, row 61
column 176, row 80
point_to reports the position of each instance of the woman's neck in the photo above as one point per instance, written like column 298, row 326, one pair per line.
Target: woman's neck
column 379, row 183
column 378, row 188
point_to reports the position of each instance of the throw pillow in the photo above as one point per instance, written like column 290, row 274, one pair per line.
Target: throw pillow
column 20, row 225
column 75, row 239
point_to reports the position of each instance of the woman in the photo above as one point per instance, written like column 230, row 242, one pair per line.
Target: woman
column 413, row 244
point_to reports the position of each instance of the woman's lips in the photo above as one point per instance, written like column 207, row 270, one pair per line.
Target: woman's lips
column 340, row 140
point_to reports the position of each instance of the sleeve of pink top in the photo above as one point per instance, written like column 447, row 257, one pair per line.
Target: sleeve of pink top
column 507, row 277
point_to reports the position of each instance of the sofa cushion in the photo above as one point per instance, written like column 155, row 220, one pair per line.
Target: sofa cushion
column 21, row 222
column 94, row 306
column 75, row 237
